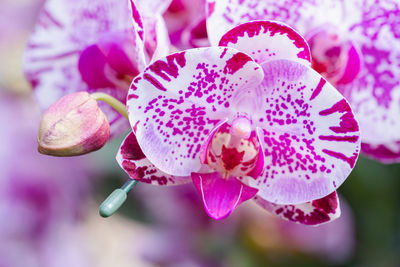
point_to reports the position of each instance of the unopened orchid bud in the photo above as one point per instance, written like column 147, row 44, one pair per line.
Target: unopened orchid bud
column 74, row 125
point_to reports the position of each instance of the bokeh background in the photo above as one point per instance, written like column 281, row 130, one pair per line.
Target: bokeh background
column 49, row 206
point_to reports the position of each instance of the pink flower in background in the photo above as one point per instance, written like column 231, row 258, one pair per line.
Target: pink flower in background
column 354, row 44
column 238, row 126
column 91, row 46
column 41, row 198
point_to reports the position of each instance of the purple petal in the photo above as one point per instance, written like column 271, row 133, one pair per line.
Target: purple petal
column 266, row 41
column 132, row 160
column 314, row 213
column 177, row 101
column 221, row 196
column 311, row 138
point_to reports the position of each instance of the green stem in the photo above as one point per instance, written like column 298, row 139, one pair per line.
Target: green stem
column 115, row 200
column 112, row 101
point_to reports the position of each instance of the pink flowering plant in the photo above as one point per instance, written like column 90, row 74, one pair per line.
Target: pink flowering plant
column 248, row 119
column 355, row 45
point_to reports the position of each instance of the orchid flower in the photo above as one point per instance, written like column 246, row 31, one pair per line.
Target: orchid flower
column 248, row 119
column 98, row 46
column 355, row 45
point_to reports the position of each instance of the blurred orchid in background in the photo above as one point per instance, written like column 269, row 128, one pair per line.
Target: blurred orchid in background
column 92, row 46
column 355, row 45
column 239, row 126
column 41, row 197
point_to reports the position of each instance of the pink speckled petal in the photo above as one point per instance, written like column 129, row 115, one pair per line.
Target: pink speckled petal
column 301, row 15
column 221, row 196
column 177, row 101
column 375, row 94
column 314, row 213
column 132, row 160
column 266, row 41
column 311, row 138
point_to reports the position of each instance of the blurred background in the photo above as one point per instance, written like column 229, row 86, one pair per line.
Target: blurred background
column 49, row 206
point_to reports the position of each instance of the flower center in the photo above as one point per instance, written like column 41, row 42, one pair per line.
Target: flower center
column 234, row 148
column 108, row 63
column 333, row 55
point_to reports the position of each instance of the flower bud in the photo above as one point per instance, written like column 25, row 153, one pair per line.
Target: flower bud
column 74, row 125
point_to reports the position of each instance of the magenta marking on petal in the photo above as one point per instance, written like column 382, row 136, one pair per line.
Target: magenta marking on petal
column 328, row 204
column 254, row 28
column 314, row 212
column 154, row 81
column 221, row 196
column 210, row 8
column 351, row 139
column 318, row 89
column 162, row 68
column 350, row 160
column 236, row 63
column 136, row 18
column 347, row 120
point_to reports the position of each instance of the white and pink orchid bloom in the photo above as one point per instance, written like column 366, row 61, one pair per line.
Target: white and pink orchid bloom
column 91, row 46
column 355, row 45
column 256, row 123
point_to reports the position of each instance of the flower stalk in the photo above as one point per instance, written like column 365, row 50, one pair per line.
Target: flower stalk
column 112, row 101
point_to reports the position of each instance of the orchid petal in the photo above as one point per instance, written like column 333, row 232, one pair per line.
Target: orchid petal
column 177, row 101
column 375, row 94
column 132, row 160
column 311, row 138
column 221, row 196
column 314, row 213
column 298, row 14
column 268, row 40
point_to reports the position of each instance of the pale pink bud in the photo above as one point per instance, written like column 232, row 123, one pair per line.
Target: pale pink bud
column 74, row 125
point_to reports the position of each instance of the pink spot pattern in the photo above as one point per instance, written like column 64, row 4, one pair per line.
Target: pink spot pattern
column 303, row 153
column 132, row 160
column 314, row 213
